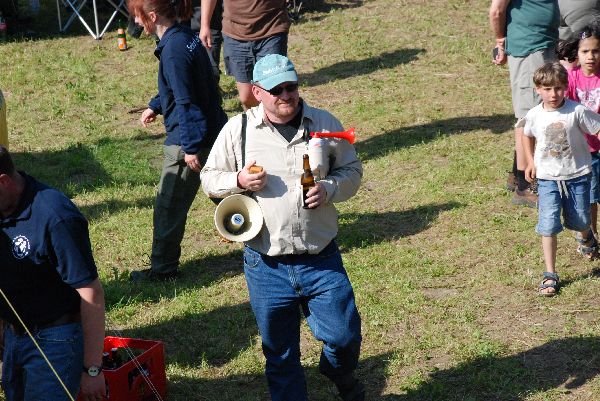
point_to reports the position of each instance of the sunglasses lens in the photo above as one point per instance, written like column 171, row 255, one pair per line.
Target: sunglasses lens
column 278, row 90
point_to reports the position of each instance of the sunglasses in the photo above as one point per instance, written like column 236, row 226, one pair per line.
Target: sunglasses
column 278, row 90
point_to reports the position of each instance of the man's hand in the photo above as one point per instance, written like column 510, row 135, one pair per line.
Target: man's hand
column 252, row 182
column 193, row 162
column 530, row 172
column 93, row 388
column 205, row 37
column 92, row 321
column 501, row 58
column 147, row 117
column 316, row 196
column 207, row 7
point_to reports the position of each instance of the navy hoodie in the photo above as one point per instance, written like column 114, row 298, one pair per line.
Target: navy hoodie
column 188, row 96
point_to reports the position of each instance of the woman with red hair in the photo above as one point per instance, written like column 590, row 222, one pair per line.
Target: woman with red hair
column 189, row 100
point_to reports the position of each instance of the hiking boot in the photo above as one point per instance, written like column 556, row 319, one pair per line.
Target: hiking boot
column 511, row 182
column 526, row 197
column 150, row 275
column 350, row 388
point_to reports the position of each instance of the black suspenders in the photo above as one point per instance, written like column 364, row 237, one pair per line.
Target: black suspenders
column 305, row 136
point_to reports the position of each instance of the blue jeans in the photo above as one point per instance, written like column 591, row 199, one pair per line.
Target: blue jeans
column 595, row 180
column 572, row 197
column 240, row 56
column 26, row 375
column 279, row 287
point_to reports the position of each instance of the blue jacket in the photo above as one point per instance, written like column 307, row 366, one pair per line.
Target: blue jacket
column 188, row 96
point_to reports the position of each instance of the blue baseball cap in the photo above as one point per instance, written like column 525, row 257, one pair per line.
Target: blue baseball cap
column 272, row 70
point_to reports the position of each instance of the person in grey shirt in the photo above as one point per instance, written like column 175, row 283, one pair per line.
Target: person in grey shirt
column 575, row 14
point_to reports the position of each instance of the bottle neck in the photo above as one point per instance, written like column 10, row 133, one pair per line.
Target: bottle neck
column 306, row 164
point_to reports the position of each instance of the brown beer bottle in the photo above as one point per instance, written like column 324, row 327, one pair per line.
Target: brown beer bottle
column 307, row 180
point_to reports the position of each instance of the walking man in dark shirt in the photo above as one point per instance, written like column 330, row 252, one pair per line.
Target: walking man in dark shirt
column 50, row 291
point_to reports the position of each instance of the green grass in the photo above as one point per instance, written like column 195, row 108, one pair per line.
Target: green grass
column 445, row 270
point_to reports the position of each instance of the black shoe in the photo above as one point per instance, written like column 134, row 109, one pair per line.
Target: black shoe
column 150, row 275
column 350, row 388
column 134, row 30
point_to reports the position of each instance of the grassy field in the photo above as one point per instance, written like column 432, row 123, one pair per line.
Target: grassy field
column 444, row 268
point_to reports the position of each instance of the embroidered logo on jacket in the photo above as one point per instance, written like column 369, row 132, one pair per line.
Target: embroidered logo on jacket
column 193, row 44
column 21, row 246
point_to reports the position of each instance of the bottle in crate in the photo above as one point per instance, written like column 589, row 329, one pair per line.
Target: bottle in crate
column 3, row 28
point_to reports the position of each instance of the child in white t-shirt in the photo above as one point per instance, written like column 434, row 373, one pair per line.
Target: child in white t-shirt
column 561, row 162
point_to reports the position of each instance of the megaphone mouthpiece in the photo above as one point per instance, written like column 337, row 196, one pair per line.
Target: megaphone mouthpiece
column 234, row 223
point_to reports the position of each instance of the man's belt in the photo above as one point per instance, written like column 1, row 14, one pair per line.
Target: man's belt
column 299, row 257
column 67, row 318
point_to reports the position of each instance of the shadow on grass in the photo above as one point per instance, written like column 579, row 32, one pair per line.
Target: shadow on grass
column 212, row 338
column 85, row 168
column 316, row 10
column 381, row 145
column 112, row 206
column 568, row 363
column 347, row 69
column 193, row 274
column 564, row 283
column 360, row 230
column 253, row 387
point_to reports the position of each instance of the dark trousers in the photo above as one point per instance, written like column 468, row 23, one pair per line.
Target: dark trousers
column 176, row 191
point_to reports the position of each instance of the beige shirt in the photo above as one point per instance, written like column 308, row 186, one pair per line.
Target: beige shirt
column 288, row 227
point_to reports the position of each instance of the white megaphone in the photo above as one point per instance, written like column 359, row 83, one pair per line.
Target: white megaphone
column 238, row 218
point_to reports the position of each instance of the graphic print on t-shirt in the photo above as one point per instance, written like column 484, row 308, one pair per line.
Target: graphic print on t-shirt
column 557, row 145
column 20, row 246
column 590, row 98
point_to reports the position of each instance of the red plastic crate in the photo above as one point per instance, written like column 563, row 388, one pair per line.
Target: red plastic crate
column 127, row 383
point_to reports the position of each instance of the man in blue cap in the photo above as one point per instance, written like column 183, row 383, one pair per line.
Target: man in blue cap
column 294, row 262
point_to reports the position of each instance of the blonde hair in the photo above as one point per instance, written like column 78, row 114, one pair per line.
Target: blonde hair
column 551, row 74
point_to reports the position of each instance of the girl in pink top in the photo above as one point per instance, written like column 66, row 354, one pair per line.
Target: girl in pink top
column 584, row 87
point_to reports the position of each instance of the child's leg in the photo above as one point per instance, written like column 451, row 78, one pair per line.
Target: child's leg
column 594, row 217
column 549, row 248
column 549, row 225
column 550, row 281
column 588, row 245
column 577, row 214
column 595, row 192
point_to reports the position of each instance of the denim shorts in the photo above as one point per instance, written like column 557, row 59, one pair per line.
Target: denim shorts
column 595, row 179
column 241, row 55
column 570, row 196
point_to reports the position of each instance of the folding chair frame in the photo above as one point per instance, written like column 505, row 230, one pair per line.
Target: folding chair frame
column 77, row 5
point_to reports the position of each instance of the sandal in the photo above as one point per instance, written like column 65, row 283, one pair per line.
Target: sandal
column 589, row 251
column 549, row 280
